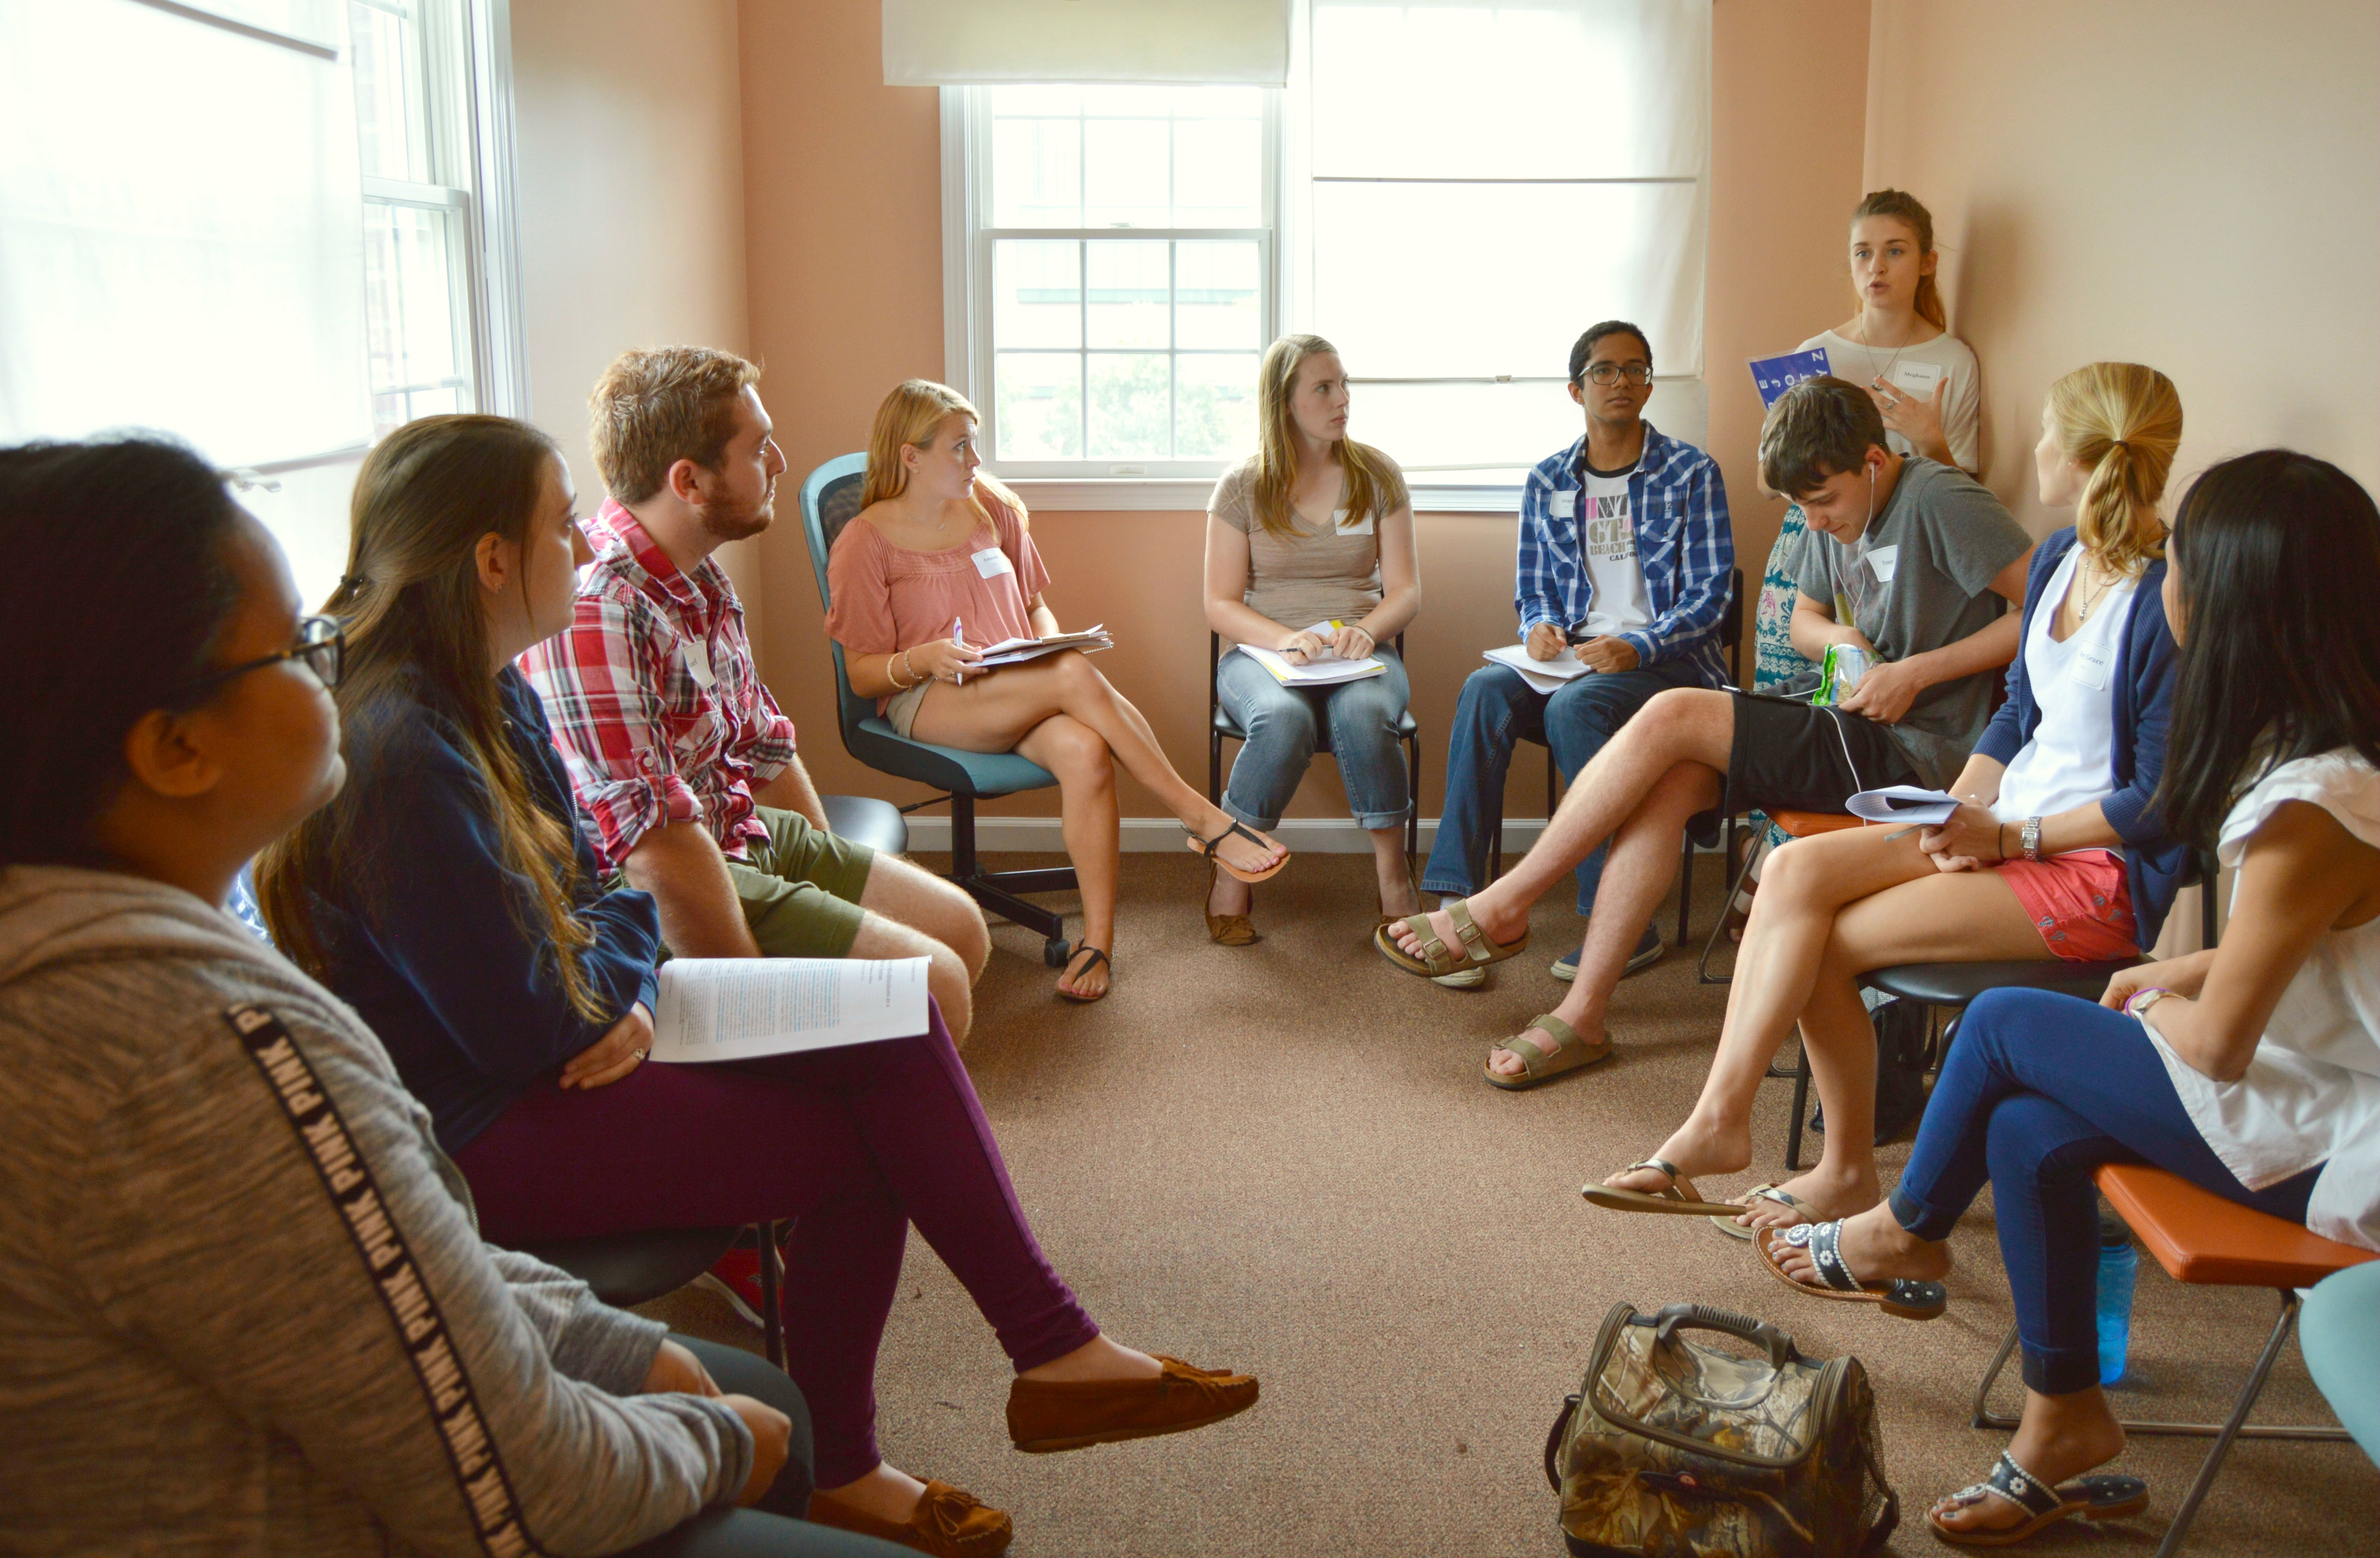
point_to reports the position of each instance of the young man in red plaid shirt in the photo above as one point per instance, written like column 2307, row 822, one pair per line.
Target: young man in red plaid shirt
column 682, row 761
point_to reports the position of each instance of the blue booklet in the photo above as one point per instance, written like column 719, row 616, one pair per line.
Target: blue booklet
column 1774, row 375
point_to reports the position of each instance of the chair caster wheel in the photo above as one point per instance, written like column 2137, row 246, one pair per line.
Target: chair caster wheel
column 1055, row 952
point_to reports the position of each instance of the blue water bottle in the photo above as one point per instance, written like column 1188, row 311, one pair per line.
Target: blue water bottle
column 2119, row 1264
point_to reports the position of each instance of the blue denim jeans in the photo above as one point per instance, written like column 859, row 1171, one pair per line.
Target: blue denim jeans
column 2038, row 1090
column 1355, row 721
column 1496, row 712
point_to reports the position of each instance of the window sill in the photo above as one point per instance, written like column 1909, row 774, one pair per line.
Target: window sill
column 1189, row 495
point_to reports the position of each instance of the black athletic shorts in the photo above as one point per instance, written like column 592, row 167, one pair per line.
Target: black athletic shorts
column 1789, row 756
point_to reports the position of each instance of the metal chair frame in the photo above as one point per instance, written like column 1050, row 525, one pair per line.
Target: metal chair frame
column 1220, row 727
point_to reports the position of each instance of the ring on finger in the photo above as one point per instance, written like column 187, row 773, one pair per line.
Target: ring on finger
column 641, row 1053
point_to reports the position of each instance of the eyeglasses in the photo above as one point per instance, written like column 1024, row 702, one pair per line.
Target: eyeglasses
column 1635, row 373
column 322, row 644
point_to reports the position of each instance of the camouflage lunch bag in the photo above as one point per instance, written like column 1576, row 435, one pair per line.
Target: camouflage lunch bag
column 1677, row 1448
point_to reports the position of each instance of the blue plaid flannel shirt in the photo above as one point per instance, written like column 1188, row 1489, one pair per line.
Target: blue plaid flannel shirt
column 1678, row 501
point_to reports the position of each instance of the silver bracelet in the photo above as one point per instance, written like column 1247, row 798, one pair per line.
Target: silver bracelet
column 2029, row 839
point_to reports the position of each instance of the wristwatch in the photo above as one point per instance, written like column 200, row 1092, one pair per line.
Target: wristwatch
column 2143, row 998
column 2029, row 839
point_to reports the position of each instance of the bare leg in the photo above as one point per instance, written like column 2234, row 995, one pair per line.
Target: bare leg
column 2059, row 1436
column 900, row 890
column 1394, row 874
column 1229, row 894
column 949, row 979
column 992, row 713
column 1643, row 860
column 1682, row 726
column 1086, row 798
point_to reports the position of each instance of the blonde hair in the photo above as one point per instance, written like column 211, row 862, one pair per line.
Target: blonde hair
column 2121, row 422
column 912, row 414
column 653, row 409
column 1904, row 207
column 1367, row 468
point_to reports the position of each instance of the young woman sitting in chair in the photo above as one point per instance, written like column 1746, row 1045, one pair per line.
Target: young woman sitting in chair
column 450, row 896
column 940, row 565
column 2055, row 851
column 2253, row 1069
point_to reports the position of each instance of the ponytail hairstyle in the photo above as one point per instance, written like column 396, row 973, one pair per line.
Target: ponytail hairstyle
column 2277, row 558
column 1367, row 470
column 912, row 414
column 410, row 603
column 1904, row 207
column 2121, row 422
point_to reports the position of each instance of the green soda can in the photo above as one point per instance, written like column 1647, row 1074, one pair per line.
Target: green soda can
column 1839, row 672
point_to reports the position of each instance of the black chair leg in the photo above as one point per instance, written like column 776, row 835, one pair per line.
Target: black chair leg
column 772, row 1297
column 1215, row 767
column 997, row 890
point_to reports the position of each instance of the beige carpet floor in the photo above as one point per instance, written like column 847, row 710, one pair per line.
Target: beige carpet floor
column 1280, row 1158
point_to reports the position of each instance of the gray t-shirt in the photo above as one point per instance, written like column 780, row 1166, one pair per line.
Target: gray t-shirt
column 1918, row 579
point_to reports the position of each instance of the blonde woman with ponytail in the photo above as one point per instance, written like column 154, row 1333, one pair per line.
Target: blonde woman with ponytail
column 1313, row 528
column 2055, row 851
column 939, row 564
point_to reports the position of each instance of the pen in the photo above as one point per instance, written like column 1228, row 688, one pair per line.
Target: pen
column 958, row 636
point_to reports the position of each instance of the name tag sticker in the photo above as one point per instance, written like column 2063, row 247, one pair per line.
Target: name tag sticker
column 698, row 662
column 1884, row 559
column 1917, row 378
column 2091, row 663
column 1340, row 526
column 1566, row 505
column 991, row 561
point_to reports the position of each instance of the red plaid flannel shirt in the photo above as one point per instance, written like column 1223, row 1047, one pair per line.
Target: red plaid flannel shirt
column 646, row 742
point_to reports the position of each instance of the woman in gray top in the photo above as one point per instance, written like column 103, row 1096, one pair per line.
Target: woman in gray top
column 1309, row 555
column 242, row 1296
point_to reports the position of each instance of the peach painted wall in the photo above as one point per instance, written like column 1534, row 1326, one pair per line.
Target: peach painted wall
column 631, row 154
column 842, row 219
column 2195, row 189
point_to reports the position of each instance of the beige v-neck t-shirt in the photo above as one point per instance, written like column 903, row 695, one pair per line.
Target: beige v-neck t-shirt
column 1326, row 569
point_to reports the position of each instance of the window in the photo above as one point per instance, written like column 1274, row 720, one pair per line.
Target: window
column 1111, row 274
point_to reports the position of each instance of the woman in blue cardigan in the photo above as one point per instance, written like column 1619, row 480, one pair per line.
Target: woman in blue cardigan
column 2054, row 852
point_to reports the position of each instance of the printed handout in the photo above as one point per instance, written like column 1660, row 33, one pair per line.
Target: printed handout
column 1903, row 803
column 738, row 1008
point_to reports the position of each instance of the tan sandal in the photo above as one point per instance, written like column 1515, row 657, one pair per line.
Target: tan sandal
column 1540, row 1065
column 1786, row 1199
column 1437, row 959
column 1209, row 848
column 1680, row 1198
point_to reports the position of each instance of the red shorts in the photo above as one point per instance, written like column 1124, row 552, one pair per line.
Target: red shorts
column 2080, row 904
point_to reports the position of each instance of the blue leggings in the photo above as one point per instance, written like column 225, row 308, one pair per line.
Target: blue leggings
column 2038, row 1090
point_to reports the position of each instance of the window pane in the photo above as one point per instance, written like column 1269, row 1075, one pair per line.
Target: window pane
column 1124, row 173
column 1214, row 406
column 1216, row 298
column 1037, row 173
column 392, row 116
column 408, row 298
column 1529, row 274
column 1038, row 403
column 1129, row 294
column 1062, row 101
column 1037, row 293
column 1558, row 88
column 1218, row 173
column 1129, row 406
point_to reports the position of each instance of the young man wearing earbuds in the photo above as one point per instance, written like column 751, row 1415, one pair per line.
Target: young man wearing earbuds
column 1906, row 559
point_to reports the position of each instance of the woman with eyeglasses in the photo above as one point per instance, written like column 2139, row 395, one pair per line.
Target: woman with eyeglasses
column 239, row 1281
column 449, row 895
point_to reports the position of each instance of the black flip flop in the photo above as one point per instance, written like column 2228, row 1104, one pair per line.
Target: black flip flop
column 1906, row 1297
column 2101, row 1497
column 1098, row 955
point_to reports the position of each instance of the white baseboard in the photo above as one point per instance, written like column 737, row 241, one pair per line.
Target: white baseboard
column 1326, row 835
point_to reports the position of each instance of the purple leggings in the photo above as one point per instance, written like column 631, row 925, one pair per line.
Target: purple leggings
column 855, row 1144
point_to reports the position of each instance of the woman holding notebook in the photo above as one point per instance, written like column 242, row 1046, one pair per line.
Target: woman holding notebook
column 449, row 895
column 940, row 564
column 1310, row 560
column 2056, row 850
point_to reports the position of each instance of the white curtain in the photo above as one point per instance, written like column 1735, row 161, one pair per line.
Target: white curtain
column 955, row 42
column 1483, row 181
column 181, row 227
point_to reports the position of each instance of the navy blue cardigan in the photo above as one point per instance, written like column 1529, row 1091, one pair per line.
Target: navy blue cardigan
column 425, row 946
column 2155, row 863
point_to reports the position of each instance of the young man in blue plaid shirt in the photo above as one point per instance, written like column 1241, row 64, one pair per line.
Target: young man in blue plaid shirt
column 1624, row 558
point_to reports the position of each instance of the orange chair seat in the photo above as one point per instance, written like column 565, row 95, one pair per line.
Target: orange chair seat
column 2200, row 1237
column 1805, row 824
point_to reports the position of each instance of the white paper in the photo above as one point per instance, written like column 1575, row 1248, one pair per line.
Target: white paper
column 991, row 561
column 738, row 1008
column 1015, row 652
column 1326, row 671
column 1561, row 668
column 1903, row 803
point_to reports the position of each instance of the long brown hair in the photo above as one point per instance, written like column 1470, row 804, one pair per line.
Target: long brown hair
column 1366, row 468
column 1903, row 206
column 2121, row 422
column 410, row 603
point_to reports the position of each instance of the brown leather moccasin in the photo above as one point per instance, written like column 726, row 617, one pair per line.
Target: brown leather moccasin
column 949, row 1522
column 1067, row 1416
column 1231, row 930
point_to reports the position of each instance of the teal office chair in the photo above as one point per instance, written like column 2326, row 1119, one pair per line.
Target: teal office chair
column 831, row 500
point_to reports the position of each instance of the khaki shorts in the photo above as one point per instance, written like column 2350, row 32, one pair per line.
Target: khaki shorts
column 901, row 709
column 800, row 890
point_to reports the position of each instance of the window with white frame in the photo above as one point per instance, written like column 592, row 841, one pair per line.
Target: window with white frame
column 1110, row 272
column 1450, row 191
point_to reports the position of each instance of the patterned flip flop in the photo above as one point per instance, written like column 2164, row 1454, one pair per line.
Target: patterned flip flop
column 1905, row 1297
column 1785, row 1199
column 2103, row 1497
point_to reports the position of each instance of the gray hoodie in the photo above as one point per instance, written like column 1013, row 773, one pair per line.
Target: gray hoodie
column 244, row 1303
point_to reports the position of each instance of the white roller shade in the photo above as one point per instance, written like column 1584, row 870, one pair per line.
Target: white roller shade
column 956, row 43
